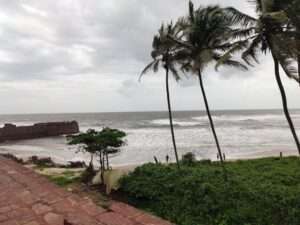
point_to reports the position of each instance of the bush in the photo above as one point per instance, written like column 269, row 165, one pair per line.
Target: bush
column 263, row 192
column 188, row 159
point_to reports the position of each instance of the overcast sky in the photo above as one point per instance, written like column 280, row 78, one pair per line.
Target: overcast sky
column 86, row 56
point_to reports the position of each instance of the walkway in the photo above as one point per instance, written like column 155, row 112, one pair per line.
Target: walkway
column 27, row 198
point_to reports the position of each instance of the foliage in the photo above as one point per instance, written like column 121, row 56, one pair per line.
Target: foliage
column 208, row 37
column 263, row 191
column 164, row 51
column 86, row 142
column 271, row 33
column 99, row 143
column 188, row 158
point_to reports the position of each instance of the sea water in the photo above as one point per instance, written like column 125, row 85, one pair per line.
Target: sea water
column 242, row 134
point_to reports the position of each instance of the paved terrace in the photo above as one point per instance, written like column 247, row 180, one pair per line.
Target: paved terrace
column 27, row 198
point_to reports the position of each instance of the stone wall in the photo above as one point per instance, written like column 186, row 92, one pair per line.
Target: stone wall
column 12, row 132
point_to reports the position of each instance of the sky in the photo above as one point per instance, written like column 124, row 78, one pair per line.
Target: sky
column 86, row 56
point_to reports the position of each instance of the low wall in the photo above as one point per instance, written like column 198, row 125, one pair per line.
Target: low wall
column 12, row 132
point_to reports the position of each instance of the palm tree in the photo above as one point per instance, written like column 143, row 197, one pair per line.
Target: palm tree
column 163, row 54
column 292, row 9
column 207, row 32
column 270, row 33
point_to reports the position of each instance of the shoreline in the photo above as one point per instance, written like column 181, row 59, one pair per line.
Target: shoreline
column 125, row 167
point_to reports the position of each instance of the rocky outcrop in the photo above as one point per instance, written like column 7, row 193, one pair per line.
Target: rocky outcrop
column 11, row 132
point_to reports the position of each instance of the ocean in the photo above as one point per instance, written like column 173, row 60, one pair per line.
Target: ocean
column 242, row 133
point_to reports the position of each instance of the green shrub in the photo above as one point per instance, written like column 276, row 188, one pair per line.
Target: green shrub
column 188, row 159
column 258, row 192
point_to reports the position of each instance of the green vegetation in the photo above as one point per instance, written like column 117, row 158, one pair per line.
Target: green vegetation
column 262, row 191
column 98, row 143
column 65, row 179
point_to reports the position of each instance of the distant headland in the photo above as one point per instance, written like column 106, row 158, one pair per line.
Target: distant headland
column 12, row 132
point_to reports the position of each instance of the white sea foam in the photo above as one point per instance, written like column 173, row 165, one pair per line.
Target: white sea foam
column 166, row 122
column 238, row 118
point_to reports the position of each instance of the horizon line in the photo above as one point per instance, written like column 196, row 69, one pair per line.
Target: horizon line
column 141, row 111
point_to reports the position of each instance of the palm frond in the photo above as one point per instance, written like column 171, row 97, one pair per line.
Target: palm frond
column 237, row 46
column 234, row 64
column 238, row 18
column 226, row 60
column 191, row 10
column 147, row 68
column 180, row 42
column 290, row 70
column 252, row 50
column 285, row 56
column 243, row 33
column 174, row 71
column 278, row 16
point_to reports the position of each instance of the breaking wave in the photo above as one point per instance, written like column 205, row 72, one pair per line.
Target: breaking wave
column 166, row 122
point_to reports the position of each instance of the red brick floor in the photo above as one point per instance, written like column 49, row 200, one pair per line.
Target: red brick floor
column 27, row 198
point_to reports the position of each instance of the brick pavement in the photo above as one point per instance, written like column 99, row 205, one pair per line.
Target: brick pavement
column 27, row 198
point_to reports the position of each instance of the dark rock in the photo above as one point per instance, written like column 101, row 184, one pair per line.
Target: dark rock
column 12, row 157
column 46, row 161
column 77, row 164
column 12, row 132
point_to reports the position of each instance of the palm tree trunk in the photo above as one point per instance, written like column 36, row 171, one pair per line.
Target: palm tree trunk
column 298, row 48
column 299, row 66
column 170, row 117
column 209, row 117
column 298, row 62
column 284, row 102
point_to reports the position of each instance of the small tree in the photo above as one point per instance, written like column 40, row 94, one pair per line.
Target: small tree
column 108, row 141
column 100, row 144
column 86, row 142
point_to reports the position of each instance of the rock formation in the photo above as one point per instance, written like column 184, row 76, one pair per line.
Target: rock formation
column 11, row 132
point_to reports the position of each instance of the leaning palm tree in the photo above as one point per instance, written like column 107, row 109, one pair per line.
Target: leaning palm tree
column 164, row 54
column 207, row 32
column 292, row 10
column 271, row 34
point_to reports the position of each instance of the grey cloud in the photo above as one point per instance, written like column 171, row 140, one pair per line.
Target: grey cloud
column 99, row 48
column 119, row 32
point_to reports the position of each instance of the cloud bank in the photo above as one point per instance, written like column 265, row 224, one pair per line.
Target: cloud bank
column 84, row 56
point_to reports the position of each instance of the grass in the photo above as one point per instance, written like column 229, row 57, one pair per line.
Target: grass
column 64, row 179
column 71, row 180
column 257, row 192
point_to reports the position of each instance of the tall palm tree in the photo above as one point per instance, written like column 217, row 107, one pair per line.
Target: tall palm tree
column 207, row 32
column 292, row 10
column 271, row 34
column 163, row 54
